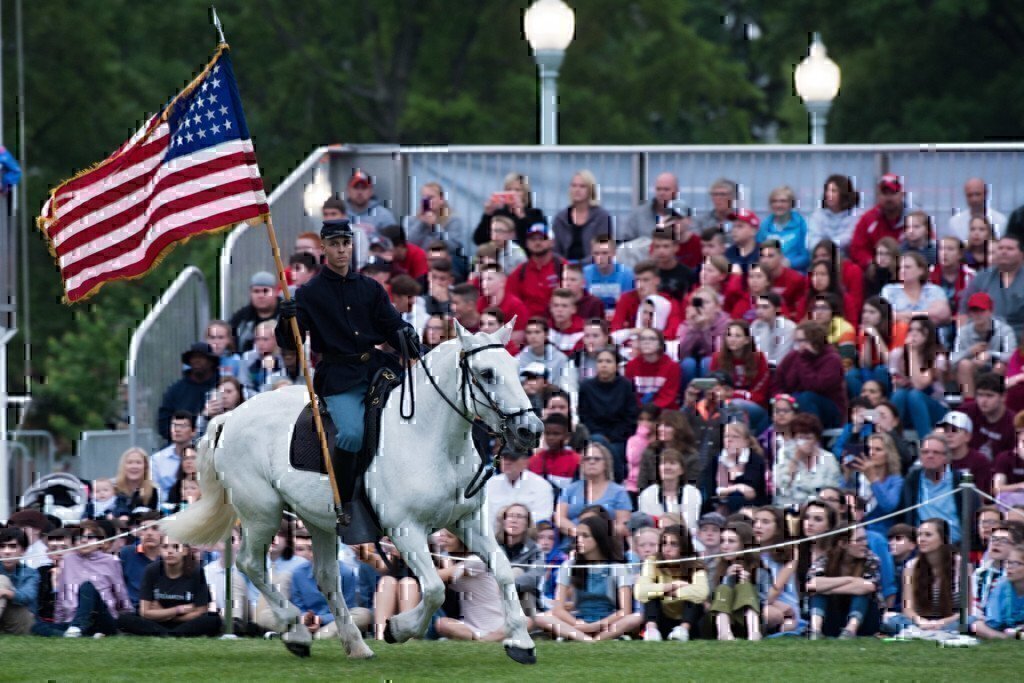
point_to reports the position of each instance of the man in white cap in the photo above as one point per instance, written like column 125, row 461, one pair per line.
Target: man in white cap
column 959, row 429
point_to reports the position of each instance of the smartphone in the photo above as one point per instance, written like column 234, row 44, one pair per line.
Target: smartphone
column 704, row 383
column 503, row 198
column 870, row 415
column 425, row 204
column 697, row 302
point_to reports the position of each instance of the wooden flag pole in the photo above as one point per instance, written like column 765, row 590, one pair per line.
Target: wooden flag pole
column 297, row 336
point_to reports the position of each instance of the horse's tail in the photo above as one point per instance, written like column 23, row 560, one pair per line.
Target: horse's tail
column 209, row 519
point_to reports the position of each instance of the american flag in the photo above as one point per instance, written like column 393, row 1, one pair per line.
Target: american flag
column 189, row 170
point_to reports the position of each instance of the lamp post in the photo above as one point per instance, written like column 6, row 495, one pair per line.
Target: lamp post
column 549, row 26
column 817, row 83
column 317, row 192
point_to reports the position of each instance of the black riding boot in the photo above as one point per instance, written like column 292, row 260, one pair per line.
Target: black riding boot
column 344, row 464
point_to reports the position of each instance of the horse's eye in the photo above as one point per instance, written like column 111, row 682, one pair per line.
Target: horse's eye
column 487, row 375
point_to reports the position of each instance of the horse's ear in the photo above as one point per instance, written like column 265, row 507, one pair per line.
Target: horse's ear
column 505, row 333
column 462, row 333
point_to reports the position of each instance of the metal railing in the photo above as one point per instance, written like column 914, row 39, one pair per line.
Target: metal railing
column 934, row 178
column 154, row 356
column 99, row 452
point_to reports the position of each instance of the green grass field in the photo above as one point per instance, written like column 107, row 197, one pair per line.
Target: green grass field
column 866, row 661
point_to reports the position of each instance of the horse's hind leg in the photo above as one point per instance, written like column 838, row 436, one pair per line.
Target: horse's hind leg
column 518, row 643
column 411, row 541
column 325, row 564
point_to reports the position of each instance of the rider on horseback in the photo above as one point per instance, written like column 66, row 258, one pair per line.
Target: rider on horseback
column 347, row 315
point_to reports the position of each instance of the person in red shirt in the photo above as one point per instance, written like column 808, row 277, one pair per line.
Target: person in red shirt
column 647, row 281
column 491, row 320
column 790, row 285
column 993, row 423
column 848, row 273
column 565, row 327
column 532, row 282
column 555, row 461
column 882, row 220
column 494, row 287
column 746, row 370
column 655, row 376
column 411, row 258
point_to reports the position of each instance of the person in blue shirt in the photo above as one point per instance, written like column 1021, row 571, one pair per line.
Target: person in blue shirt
column 788, row 227
column 306, row 595
column 606, row 279
column 594, row 487
column 136, row 557
column 1004, row 613
column 19, row 584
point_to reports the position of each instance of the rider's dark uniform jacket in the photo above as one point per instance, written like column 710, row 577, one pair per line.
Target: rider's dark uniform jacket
column 346, row 318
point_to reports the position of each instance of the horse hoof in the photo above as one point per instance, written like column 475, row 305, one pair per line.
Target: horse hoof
column 389, row 636
column 521, row 654
column 298, row 649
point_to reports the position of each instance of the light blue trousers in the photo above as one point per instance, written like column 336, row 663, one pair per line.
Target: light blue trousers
column 347, row 410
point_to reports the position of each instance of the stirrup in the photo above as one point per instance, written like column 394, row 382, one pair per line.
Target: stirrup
column 343, row 515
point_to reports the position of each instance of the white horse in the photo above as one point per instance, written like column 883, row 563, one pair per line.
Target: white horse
column 417, row 484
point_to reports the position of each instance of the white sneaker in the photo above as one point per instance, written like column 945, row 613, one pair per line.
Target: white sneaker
column 652, row 634
column 98, row 635
column 73, row 632
column 679, row 633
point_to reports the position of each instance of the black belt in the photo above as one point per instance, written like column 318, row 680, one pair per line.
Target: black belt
column 345, row 358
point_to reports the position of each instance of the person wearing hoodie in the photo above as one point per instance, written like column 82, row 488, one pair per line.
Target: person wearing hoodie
column 813, row 374
column 608, row 407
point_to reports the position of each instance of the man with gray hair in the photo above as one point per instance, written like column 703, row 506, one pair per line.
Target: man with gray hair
column 723, row 202
column 930, row 482
column 976, row 194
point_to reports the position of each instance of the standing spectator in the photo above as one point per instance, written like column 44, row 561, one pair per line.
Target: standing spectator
column 584, row 219
column 788, row 227
column 672, row 494
column 517, row 485
column 772, row 332
column 606, row 278
column 845, row 585
column 557, row 463
column 593, row 603
column 747, row 370
column 1004, row 282
column 836, row 218
column 222, row 344
column 608, row 407
column 167, row 461
column 655, row 376
column 723, row 201
column 994, row 431
column 984, row 343
column 516, row 202
column 917, row 371
column 976, row 195
column 436, row 222
column 134, row 485
column 932, row 579
column 885, row 219
column 739, row 586
column 672, row 587
column 744, row 250
column 262, row 306
column 533, row 281
column 915, row 295
column 805, row 468
column 19, row 584
column 735, row 478
column 884, row 267
column 928, row 482
column 174, row 598
column 594, row 487
column 362, row 207
column 191, row 391
column 137, row 557
column 654, row 212
column 813, row 374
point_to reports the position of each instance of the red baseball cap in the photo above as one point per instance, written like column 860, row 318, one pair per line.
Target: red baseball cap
column 747, row 216
column 359, row 178
column 890, row 182
column 980, row 300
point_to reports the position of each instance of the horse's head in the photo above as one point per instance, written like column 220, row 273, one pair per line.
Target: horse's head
column 495, row 393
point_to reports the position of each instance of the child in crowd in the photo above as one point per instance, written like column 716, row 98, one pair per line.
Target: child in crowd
column 553, row 556
column 673, row 593
column 103, row 500
column 1004, row 615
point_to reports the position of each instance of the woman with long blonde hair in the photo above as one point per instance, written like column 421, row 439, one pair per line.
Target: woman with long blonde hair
column 133, row 485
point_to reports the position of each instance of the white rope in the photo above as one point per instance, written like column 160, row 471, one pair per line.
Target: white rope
column 78, row 547
column 1008, row 508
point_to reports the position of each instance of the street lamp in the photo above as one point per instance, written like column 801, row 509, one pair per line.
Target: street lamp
column 318, row 191
column 817, row 82
column 549, row 26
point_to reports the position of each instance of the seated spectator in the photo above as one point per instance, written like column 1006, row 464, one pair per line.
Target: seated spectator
column 836, row 218
column 822, row 279
column 556, row 462
column 606, row 278
column 538, row 350
column 772, row 331
column 915, row 296
column 101, row 502
column 673, row 593
column 806, row 467
column 190, row 392
column 655, row 376
column 594, row 487
column 932, row 579
column 435, row 220
column 978, row 206
column 262, row 306
column 608, row 407
column 439, row 294
column 491, row 321
column 556, row 400
column 846, row 588
column 533, row 281
column 406, row 256
column 166, row 463
column 790, row 285
column 950, row 273
column 779, row 435
column 174, row 599
column 134, row 486
column 873, row 391
column 215, row 574
column 309, row 242
column 959, row 429
column 647, row 280
column 465, row 307
column 709, row 539
column 672, row 494
column 229, row 395
column 826, row 310
column 593, row 603
column 436, row 331
column 596, row 338
column 1008, row 470
column 137, row 557
column 884, row 268
column 813, row 374
column 994, row 431
column 756, row 284
column 788, row 227
column 19, row 584
column 362, row 207
column 671, row 430
column 479, row 597
column 902, row 547
column 34, row 525
column 222, row 343
column 723, row 194
column 919, row 236
column 265, row 360
column 735, row 478
column 744, row 250
column 305, row 592
column 885, row 219
column 90, row 591
column 918, row 369
column 781, row 607
column 513, row 525
column 516, row 485
column 653, row 212
column 981, row 236
column 1004, row 616
column 302, row 266
column 1002, row 537
column 584, row 219
column 643, row 539
column 887, row 421
column 817, row 518
column 494, row 293
column 747, row 370
column 983, row 344
column 503, row 236
column 515, row 202
column 440, row 251
column 565, row 326
column 875, row 476
column 676, row 279
column 636, row 446
column 847, row 273
column 876, row 337
column 1004, row 281
column 929, row 482
column 738, row 587
column 701, row 334
column 588, row 306
column 851, row 442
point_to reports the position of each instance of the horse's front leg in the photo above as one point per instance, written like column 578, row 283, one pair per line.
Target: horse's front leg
column 411, row 542
column 518, row 643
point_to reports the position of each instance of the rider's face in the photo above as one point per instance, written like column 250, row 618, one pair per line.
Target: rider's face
column 338, row 252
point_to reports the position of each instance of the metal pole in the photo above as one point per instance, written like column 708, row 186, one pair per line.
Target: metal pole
column 549, row 62
column 966, row 536
column 819, row 119
column 5, row 484
column 229, row 560
column 24, row 304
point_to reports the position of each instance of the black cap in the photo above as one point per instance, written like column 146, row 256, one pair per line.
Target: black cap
column 201, row 348
column 336, row 228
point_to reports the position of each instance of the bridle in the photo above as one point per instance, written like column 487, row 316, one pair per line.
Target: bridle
column 469, row 385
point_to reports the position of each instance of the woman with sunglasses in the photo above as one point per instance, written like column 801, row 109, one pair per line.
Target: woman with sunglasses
column 594, row 487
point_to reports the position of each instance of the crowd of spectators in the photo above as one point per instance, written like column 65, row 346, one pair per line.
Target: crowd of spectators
column 718, row 390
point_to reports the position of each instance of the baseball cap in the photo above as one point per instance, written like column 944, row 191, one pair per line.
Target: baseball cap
column 639, row 520
column 263, row 279
column 713, row 519
column 358, row 178
column 745, row 215
column 979, row 300
column 534, row 370
column 381, row 242
column 890, row 182
column 202, row 348
column 959, row 420
column 538, row 228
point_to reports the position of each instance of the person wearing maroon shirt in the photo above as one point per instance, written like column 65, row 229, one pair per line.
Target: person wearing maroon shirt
column 885, row 219
column 532, row 282
column 556, row 462
column 565, row 327
column 849, row 275
column 1008, row 470
column 813, row 374
column 959, row 430
column 790, row 285
column 993, row 423
column 411, row 258
column 495, row 293
column 587, row 305
column 656, row 377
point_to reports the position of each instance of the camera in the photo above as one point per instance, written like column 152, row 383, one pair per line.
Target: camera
column 698, row 302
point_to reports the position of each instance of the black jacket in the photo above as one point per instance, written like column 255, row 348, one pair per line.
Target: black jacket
column 344, row 317
column 185, row 394
column 609, row 408
column 912, row 492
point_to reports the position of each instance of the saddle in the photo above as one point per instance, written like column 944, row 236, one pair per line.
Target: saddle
column 305, row 453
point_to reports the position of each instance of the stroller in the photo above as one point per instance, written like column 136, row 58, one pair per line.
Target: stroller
column 70, row 496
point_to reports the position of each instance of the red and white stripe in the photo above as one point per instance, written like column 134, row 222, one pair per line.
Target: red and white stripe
column 115, row 221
